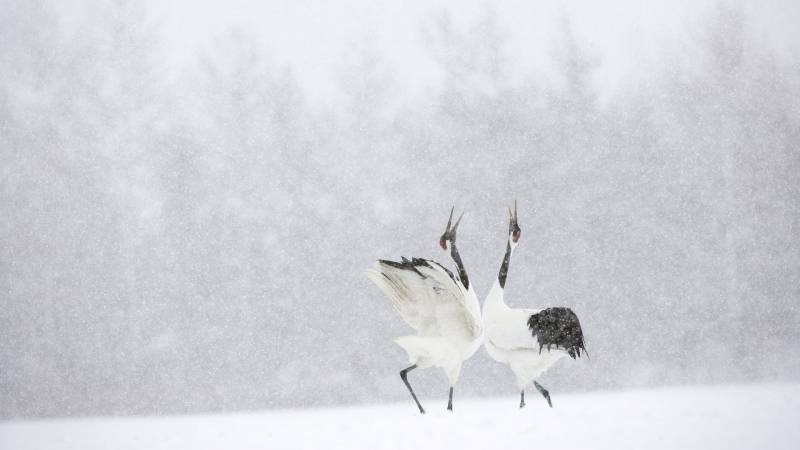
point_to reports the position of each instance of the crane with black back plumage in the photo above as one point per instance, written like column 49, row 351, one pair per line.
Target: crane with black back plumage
column 530, row 341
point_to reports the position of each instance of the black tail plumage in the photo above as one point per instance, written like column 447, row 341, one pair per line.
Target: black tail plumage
column 560, row 327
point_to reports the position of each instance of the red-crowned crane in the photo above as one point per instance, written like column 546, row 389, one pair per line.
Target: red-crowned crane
column 442, row 308
column 528, row 340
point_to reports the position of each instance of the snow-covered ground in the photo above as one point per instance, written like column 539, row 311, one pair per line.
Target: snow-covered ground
column 723, row 417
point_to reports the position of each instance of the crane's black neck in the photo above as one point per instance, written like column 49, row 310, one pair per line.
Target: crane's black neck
column 462, row 273
column 504, row 267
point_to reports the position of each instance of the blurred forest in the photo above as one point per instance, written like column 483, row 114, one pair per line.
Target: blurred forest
column 200, row 245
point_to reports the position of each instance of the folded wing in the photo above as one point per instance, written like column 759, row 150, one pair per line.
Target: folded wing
column 557, row 327
column 547, row 329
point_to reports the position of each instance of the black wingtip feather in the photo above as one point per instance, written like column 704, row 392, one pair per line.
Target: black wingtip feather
column 415, row 262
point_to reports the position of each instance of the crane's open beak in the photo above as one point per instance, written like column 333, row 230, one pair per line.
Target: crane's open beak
column 450, row 233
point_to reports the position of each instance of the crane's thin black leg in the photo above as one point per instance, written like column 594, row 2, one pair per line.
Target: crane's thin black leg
column 404, row 377
column 544, row 393
column 522, row 398
column 450, row 400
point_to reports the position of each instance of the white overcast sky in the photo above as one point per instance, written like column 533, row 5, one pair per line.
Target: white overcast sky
column 314, row 35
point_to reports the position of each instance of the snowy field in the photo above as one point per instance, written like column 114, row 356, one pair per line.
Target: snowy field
column 723, row 417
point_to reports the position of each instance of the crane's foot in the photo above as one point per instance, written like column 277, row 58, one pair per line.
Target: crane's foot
column 544, row 393
column 521, row 399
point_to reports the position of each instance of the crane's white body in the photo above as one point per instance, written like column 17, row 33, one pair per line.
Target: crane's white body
column 508, row 339
column 445, row 315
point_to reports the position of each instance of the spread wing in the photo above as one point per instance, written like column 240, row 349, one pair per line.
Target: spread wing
column 428, row 297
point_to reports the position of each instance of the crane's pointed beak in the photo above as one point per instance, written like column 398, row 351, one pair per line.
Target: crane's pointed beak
column 455, row 227
column 447, row 232
column 450, row 233
column 513, row 226
column 450, row 219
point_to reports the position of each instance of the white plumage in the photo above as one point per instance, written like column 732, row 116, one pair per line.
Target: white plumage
column 509, row 340
column 442, row 308
column 445, row 315
column 529, row 340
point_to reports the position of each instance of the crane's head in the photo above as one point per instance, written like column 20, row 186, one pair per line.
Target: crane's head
column 514, row 231
column 449, row 236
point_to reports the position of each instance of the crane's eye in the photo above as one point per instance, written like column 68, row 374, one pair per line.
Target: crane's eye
column 515, row 234
column 443, row 243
